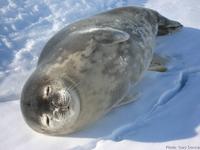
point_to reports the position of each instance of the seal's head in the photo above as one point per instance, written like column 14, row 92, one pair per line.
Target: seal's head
column 49, row 105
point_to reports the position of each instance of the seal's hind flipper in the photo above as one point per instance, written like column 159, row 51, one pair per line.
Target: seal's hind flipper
column 158, row 63
column 166, row 26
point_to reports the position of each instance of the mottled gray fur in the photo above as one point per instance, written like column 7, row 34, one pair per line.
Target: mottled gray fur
column 92, row 61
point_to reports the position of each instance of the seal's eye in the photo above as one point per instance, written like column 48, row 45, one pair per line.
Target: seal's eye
column 47, row 120
column 47, row 91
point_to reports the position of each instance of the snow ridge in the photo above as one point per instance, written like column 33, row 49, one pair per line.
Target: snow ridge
column 167, row 113
column 169, row 94
column 123, row 131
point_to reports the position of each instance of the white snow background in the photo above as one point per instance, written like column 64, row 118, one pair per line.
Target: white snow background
column 165, row 116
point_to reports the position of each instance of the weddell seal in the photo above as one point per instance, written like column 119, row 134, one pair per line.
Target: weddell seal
column 86, row 68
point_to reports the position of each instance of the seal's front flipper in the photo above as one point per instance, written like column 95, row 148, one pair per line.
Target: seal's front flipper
column 106, row 35
column 103, row 36
column 158, row 68
column 166, row 26
column 158, row 64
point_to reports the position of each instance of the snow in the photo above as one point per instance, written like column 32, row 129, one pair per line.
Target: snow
column 166, row 114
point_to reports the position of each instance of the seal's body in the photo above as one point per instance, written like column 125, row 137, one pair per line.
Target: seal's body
column 85, row 69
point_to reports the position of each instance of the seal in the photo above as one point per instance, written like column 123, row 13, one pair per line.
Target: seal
column 86, row 68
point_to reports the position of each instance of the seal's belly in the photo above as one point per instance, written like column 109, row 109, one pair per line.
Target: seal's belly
column 105, row 76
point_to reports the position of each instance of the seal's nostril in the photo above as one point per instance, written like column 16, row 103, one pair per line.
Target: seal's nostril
column 28, row 104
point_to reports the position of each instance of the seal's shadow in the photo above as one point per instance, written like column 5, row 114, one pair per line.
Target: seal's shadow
column 136, row 121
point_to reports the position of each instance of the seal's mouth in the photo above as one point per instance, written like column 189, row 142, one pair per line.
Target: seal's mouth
column 60, row 109
column 64, row 110
column 61, row 99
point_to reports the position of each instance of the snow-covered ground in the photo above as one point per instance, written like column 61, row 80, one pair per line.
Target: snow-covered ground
column 167, row 113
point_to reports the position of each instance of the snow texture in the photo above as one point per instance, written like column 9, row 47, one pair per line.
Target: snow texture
column 166, row 114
